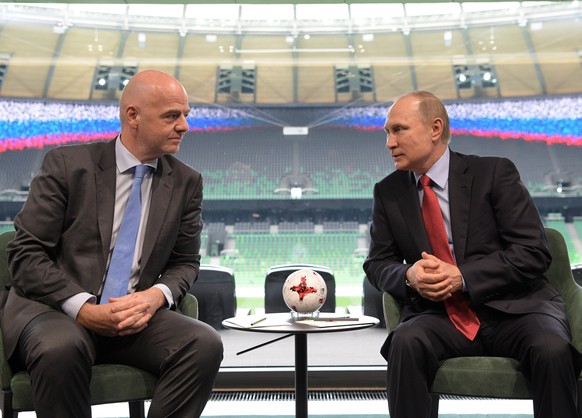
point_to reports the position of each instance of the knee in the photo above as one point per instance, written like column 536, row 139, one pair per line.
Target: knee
column 212, row 343
column 551, row 351
column 206, row 342
column 410, row 348
column 407, row 339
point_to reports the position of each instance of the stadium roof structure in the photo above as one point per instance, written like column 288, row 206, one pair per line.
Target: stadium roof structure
column 295, row 51
column 266, row 1
column 280, row 10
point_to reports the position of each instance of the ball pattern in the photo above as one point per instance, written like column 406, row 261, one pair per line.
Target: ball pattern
column 304, row 291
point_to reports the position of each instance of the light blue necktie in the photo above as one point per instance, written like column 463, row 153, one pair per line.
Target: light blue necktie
column 117, row 279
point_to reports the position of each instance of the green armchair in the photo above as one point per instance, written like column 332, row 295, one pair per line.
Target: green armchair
column 110, row 383
column 498, row 377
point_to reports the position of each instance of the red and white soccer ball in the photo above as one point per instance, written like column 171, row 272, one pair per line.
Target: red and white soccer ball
column 304, row 291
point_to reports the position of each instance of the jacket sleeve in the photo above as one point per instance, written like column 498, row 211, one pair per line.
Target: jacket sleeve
column 507, row 250
column 385, row 266
column 32, row 254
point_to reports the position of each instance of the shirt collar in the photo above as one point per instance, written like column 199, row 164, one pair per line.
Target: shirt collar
column 125, row 159
column 439, row 172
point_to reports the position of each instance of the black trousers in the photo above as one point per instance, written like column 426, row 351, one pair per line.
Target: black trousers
column 58, row 354
column 539, row 342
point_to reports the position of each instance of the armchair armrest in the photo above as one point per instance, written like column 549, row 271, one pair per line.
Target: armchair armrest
column 560, row 276
column 189, row 306
column 5, row 369
column 391, row 311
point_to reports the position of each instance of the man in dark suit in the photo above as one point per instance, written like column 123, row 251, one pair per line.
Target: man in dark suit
column 500, row 254
column 54, row 321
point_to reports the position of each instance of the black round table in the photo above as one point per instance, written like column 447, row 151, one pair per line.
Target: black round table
column 299, row 327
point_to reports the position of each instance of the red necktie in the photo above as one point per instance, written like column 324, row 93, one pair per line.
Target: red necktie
column 459, row 311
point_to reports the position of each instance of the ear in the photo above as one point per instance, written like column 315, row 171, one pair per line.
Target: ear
column 132, row 116
column 437, row 129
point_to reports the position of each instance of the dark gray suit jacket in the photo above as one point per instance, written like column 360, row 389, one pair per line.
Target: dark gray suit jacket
column 63, row 232
column 499, row 241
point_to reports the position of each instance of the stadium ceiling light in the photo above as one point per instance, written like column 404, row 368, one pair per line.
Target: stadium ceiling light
column 287, row 50
column 59, row 29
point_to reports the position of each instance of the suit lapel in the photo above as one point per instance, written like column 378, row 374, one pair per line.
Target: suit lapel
column 162, row 188
column 409, row 206
column 460, row 184
column 105, row 179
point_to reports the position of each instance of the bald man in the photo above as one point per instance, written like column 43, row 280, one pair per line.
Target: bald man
column 55, row 323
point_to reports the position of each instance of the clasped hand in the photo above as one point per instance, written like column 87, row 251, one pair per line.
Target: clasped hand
column 125, row 315
column 434, row 279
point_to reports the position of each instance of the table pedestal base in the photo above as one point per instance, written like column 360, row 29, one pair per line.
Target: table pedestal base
column 301, row 394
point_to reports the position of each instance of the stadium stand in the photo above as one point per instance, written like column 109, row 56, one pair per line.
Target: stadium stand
column 246, row 164
column 18, row 167
column 257, row 252
column 342, row 164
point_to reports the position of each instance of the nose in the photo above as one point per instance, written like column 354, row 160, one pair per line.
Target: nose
column 390, row 141
column 182, row 124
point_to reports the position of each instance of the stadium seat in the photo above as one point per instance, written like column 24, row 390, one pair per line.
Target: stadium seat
column 276, row 277
column 499, row 377
column 110, row 383
column 215, row 291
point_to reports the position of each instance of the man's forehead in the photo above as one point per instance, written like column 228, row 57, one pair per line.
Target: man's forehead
column 406, row 103
column 173, row 103
column 404, row 108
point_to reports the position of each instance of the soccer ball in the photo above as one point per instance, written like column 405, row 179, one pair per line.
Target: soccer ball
column 304, row 291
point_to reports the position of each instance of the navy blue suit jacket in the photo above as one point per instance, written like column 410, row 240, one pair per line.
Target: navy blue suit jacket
column 499, row 240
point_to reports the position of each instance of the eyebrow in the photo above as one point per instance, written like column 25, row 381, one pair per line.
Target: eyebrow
column 175, row 111
column 392, row 126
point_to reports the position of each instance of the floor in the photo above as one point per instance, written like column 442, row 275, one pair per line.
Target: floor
column 448, row 409
column 472, row 408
